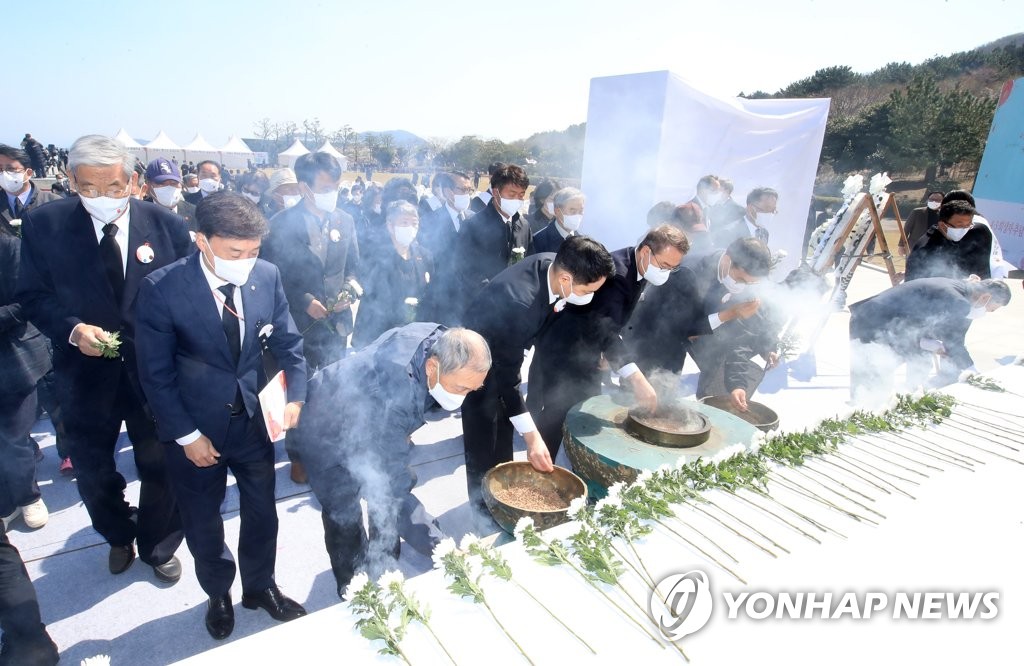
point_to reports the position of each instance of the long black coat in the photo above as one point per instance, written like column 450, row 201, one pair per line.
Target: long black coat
column 388, row 280
column 485, row 247
column 934, row 255
column 61, row 284
column 24, row 358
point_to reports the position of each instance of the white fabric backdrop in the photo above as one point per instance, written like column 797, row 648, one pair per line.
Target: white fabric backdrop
column 651, row 136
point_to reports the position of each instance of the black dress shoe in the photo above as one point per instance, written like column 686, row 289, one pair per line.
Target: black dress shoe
column 280, row 607
column 121, row 557
column 220, row 617
column 169, row 571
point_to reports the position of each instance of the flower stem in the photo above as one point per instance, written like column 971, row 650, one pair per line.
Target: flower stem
column 555, row 617
column 795, row 487
column 865, row 479
column 514, row 641
column 746, row 524
column 644, row 611
column 702, row 551
column 833, row 490
column 438, row 640
column 772, row 513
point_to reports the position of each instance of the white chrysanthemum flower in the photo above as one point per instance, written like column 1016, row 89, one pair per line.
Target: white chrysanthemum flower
column 727, row 452
column 757, row 441
column 878, row 183
column 612, row 501
column 664, row 469
column 468, row 541
column 412, row 301
column 98, row 660
column 358, row 582
column 444, row 548
column 521, row 526
column 576, row 507
column 615, row 490
column 644, row 477
column 852, row 185
column 389, row 577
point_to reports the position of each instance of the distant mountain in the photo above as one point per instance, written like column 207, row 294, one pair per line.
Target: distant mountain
column 401, row 138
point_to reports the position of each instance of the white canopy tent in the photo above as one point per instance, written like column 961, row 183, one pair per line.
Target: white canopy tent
column 163, row 146
column 199, row 149
column 331, row 150
column 235, row 154
column 133, row 146
column 287, row 158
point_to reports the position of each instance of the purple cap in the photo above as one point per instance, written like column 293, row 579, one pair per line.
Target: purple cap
column 161, row 170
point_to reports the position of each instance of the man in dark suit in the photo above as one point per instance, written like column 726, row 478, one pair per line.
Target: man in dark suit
column 761, row 206
column 921, row 220
column 709, row 195
column 956, row 247
column 496, row 237
column 697, row 301
column 510, row 313
column 439, row 235
column 355, row 434
column 210, row 181
column 726, row 211
column 20, row 194
column 24, row 359
column 202, row 325
column 566, row 362
column 568, row 210
column 82, row 260
column 908, row 324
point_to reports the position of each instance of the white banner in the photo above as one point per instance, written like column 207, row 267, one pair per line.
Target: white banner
column 650, row 137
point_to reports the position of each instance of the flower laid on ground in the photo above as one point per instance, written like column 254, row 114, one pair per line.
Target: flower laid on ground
column 99, row 660
column 576, row 507
column 402, row 602
column 111, row 347
column 377, row 619
column 466, row 581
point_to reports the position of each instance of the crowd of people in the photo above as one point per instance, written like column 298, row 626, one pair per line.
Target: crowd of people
column 166, row 298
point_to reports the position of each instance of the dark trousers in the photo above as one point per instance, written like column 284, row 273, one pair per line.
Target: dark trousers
column 25, row 641
column 248, row 453
column 17, row 456
column 392, row 511
column 92, row 439
column 487, row 437
column 47, row 394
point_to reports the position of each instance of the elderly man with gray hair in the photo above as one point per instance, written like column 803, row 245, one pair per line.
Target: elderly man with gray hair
column 568, row 208
column 354, row 438
column 82, row 261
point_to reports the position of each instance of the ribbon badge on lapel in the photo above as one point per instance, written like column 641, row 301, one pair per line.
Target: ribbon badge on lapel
column 144, row 254
column 335, row 236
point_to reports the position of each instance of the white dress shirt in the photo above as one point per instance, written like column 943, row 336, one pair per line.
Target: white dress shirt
column 215, row 284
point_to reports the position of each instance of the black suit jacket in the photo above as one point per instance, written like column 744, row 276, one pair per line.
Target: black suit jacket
column 37, row 199
column 547, row 239
column 193, row 199
column 304, row 275
column 725, row 234
column 61, row 283
column 934, row 255
column 510, row 313
column 485, row 247
column 437, row 234
column 925, row 308
column 918, row 222
column 727, row 212
column 388, row 281
column 24, row 357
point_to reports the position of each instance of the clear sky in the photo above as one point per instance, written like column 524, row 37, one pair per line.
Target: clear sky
column 440, row 68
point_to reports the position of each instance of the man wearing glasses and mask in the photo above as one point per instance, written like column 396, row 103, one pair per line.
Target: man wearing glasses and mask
column 19, row 194
column 82, row 261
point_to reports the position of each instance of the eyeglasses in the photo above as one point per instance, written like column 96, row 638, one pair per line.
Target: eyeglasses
column 112, row 192
column 10, row 169
column 674, row 269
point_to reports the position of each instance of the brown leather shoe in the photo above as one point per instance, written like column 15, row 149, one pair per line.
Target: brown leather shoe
column 298, row 473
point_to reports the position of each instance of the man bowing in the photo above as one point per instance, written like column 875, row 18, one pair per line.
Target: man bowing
column 203, row 322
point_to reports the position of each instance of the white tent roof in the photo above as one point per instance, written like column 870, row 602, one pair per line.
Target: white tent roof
column 162, row 142
column 295, row 149
column 126, row 140
column 199, row 144
column 330, row 150
column 235, row 145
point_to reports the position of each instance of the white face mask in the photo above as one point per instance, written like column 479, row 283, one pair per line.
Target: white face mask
column 209, row 185
column 572, row 222
column 731, row 285
column 956, row 235
column 191, row 190
column 574, row 298
column 12, row 182
column 235, row 271
column 106, row 209
column 934, row 205
column 289, row 200
column 255, row 198
column 549, row 208
column 447, row 400
column 326, row 201
column 977, row 312
column 404, row 236
column 511, row 206
column 167, row 196
column 461, row 202
column 765, row 218
column 655, row 274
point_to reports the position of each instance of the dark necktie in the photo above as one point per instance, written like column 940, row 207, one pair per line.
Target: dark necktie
column 110, row 255
column 230, row 322
column 18, row 207
column 761, row 234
